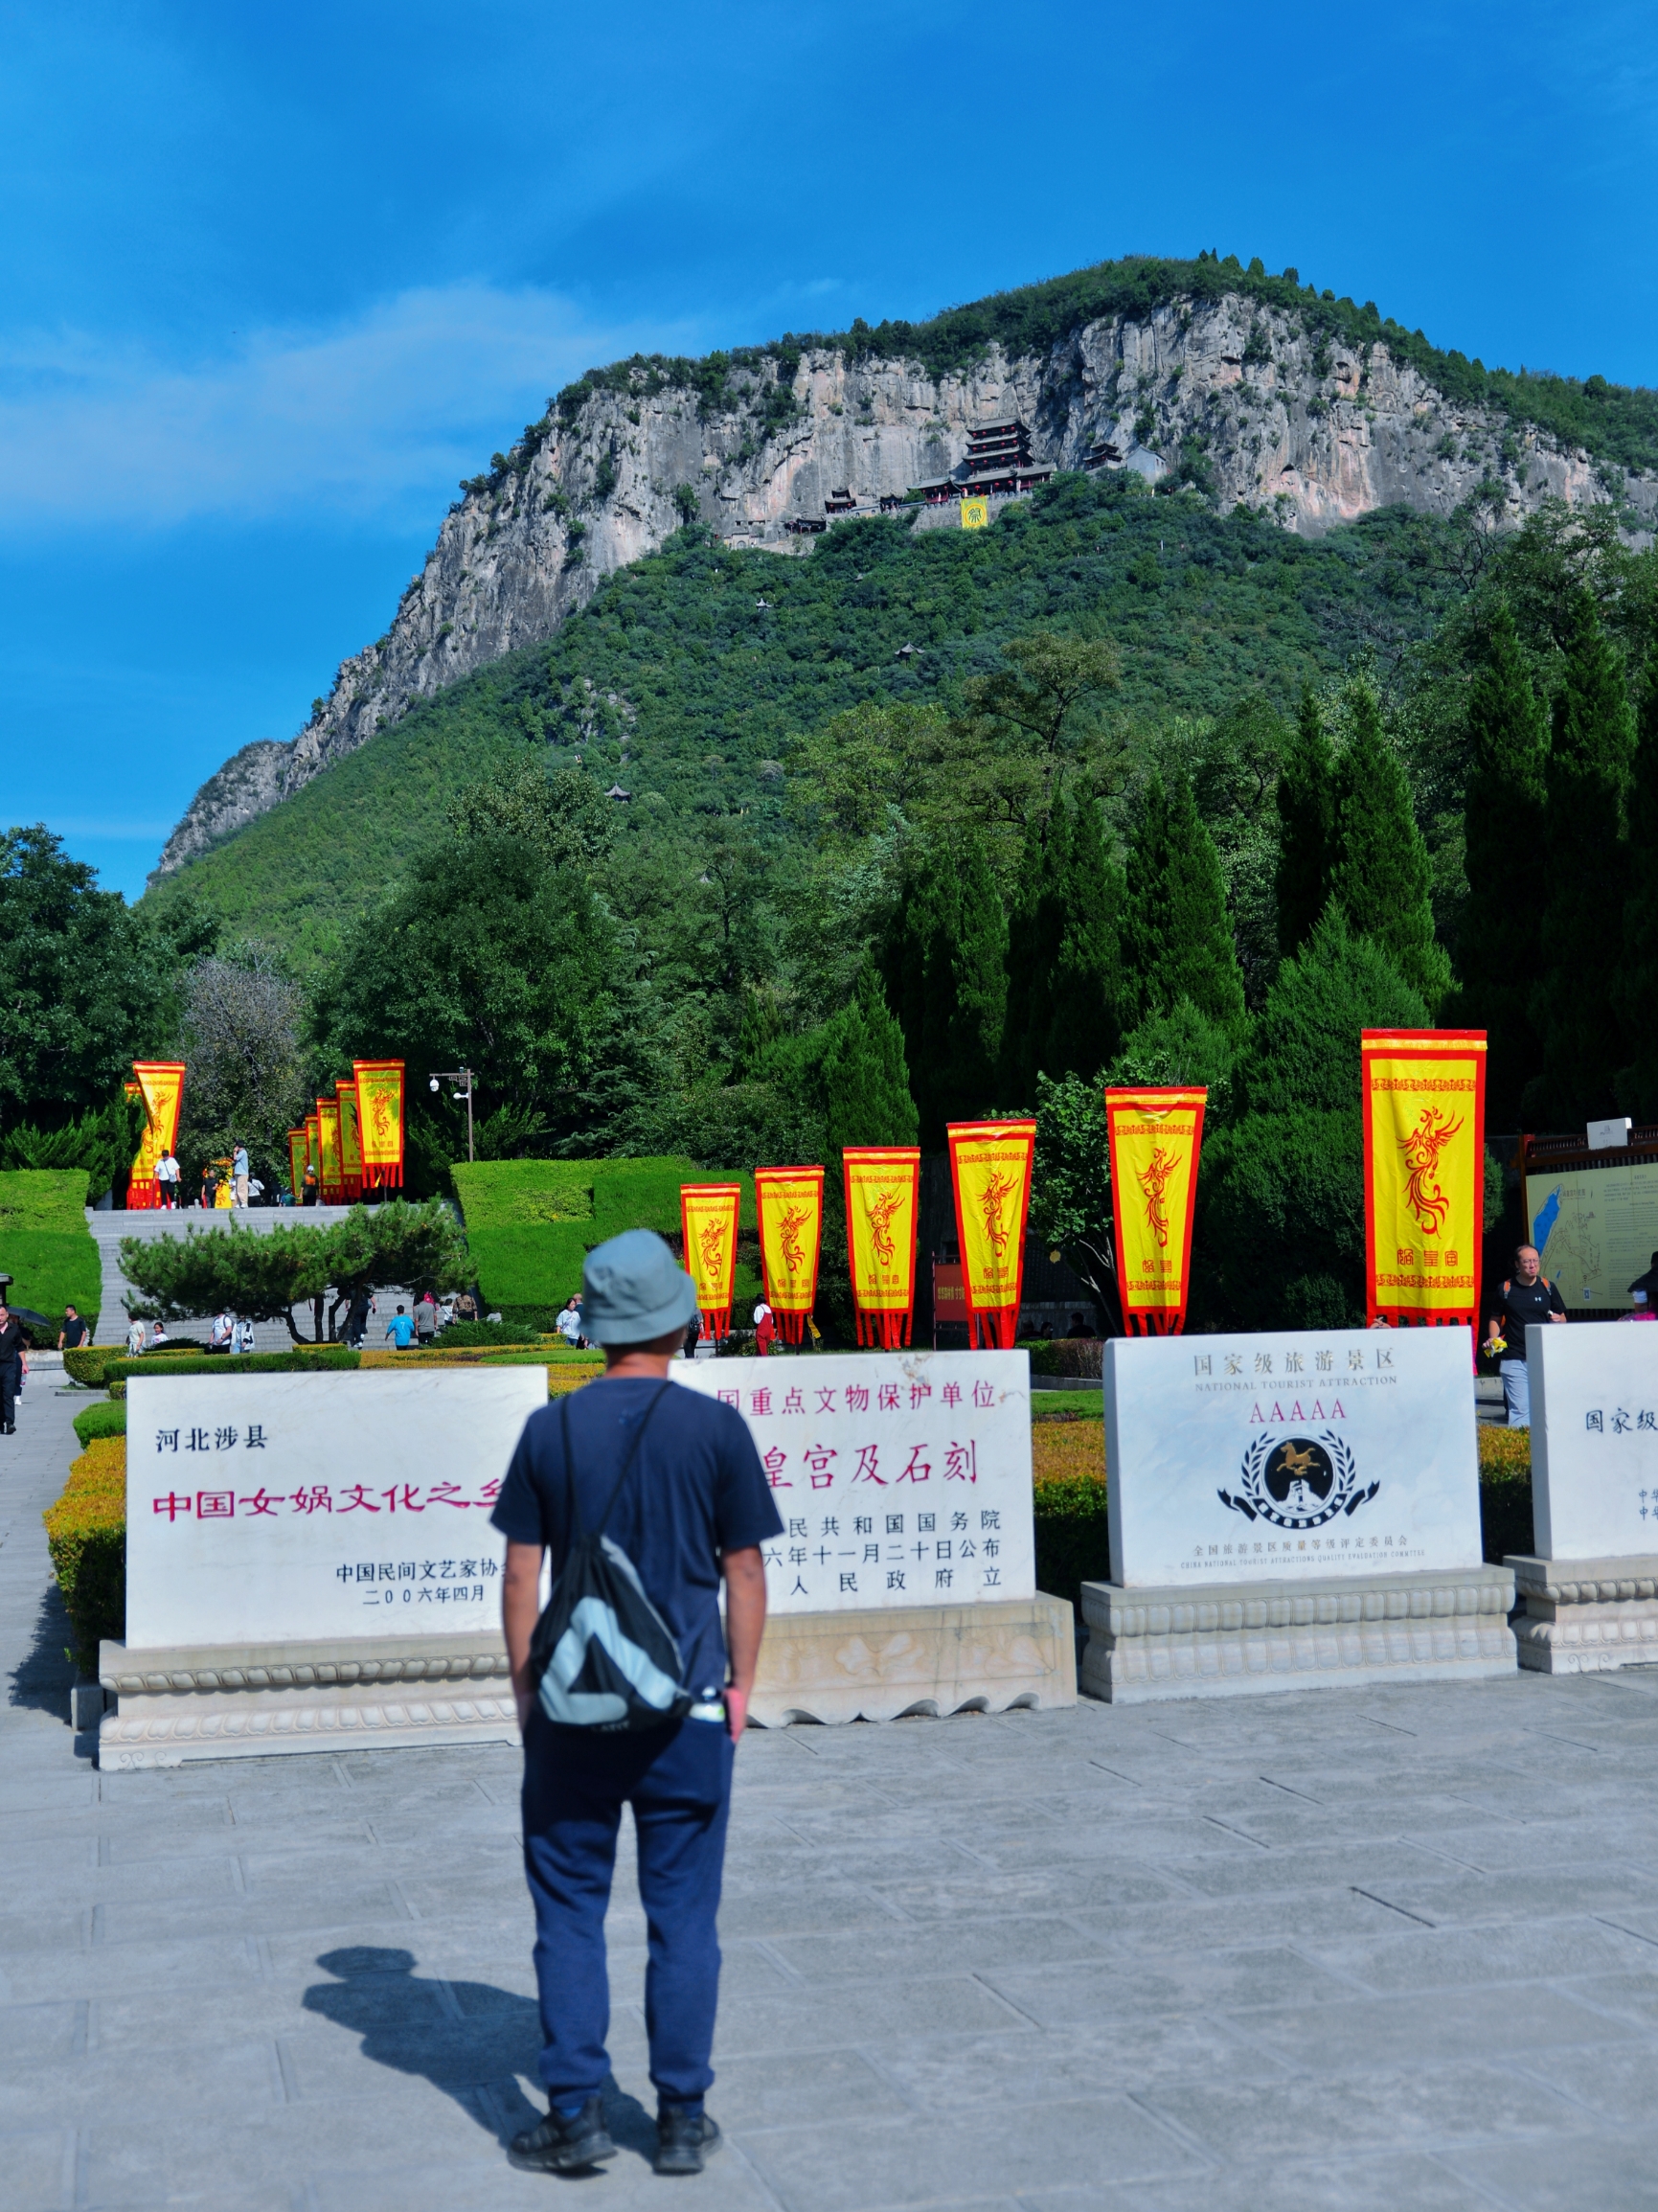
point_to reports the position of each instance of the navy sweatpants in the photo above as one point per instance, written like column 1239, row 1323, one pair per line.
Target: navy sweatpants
column 576, row 1782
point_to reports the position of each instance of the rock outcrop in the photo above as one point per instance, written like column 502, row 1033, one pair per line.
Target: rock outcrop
column 1245, row 401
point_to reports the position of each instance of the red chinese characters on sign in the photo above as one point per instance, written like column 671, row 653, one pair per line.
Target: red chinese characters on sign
column 263, row 1504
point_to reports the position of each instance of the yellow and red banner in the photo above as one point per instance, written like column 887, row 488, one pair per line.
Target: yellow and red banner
column 1154, row 1136
column 313, row 1150
column 160, row 1085
column 380, row 1087
column 350, row 1142
column 990, row 1165
column 708, row 1213
column 1424, row 1173
column 883, row 1185
column 329, row 1147
column 790, row 1204
column 298, row 1152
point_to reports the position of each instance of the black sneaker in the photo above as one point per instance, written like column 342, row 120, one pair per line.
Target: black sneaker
column 556, row 2146
column 684, row 2140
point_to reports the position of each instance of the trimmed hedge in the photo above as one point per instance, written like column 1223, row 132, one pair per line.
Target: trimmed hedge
column 104, row 1417
column 115, row 1365
column 45, row 1245
column 87, row 1533
column 531, row 1223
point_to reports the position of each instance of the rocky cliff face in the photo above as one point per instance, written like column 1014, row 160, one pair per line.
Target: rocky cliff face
column 1242, row 400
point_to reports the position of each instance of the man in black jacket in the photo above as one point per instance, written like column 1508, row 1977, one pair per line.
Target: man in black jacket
column 14, row 1348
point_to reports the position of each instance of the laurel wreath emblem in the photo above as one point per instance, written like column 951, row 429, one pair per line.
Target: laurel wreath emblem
column 1256, row 1502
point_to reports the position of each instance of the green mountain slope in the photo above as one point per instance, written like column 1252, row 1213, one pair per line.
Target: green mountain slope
column 679, row 684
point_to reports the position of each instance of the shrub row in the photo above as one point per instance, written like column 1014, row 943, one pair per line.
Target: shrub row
column 87, row 1533
column 99, row 1369
column 104, row 1417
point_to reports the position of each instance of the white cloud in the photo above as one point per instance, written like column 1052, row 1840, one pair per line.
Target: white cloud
column 369, row 417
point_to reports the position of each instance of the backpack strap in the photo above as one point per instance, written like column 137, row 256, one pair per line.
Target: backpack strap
column 575, row 1528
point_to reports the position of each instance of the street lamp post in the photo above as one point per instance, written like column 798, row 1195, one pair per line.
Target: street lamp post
column 458, row 1075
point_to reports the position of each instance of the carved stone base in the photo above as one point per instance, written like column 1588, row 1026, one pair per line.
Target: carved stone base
column 1237, row 1639
column 933, row 1659
column 250, row 1700
column 1585, row 1616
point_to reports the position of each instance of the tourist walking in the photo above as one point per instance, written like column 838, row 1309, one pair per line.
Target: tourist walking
column 167, row 1179
column 14, row 1367
column 74, row 1332
column 239, row 1174
column 135, row 1339
column 357, row 1318
column 241, row 1339
column 670, row 1478
column 764, row 1330
column 569, row 1322
column 425, row 1320
column 400, row 1330
column 1527, row 1300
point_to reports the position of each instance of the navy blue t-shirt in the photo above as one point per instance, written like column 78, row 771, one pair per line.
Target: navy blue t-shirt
column 696, row 1490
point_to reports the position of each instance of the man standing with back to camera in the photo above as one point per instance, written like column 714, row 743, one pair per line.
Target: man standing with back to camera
column 694, row 1507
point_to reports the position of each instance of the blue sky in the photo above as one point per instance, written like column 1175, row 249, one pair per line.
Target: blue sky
column 275, row 279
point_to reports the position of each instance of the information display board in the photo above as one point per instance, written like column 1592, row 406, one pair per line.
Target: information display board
column 1595, row 1228
column 1316, row 1452
column 1593, row 1439
column 902, row 1478
column 262, row 1508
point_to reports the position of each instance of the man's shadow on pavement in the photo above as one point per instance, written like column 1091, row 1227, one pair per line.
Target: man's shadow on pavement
column 476, row 2057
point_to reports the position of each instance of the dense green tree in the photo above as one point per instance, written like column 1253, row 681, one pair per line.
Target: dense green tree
column 1178, row 937
column 851, row 1074
column 1380, row 879
column 1638, row 978
column 1064, row 964
column 1591, row 755
column 246, row 1068
column 946, row 981
column 1500, row 940
column 1235, row 781
column 1278, row 1239
column 495, row 958
column 103, row 1141
column 1307, row 827
column 84, row 985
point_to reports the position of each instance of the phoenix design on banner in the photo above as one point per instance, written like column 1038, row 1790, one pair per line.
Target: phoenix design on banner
column 996, row 1193
column 1153, row 1179
column 1422, row 1150
column 794, row 1220
column 710, row 1238
column 880, row 1219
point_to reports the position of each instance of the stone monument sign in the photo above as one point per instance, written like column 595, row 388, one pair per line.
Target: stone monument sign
column 1591, row 1586
column 1287, row 1508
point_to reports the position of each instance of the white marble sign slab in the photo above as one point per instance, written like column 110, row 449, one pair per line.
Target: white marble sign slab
column 1327, row 1452
column 903, row 1478
column 1593, row 1439
column 265, row 1508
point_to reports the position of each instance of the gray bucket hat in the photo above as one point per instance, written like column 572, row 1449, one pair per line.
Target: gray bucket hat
column 634, row 1290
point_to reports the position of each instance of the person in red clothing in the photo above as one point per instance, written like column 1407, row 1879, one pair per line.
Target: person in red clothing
column 765, row 1329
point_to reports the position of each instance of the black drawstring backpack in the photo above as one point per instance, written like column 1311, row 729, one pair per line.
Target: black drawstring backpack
column 602, row 1656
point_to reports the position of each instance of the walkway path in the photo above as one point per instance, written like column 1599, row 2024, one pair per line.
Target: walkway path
column 1337, row 1950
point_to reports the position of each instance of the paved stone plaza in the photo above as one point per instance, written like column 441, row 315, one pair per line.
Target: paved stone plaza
column 1337, row 1949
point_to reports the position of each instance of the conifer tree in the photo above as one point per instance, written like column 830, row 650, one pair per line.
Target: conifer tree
column 1638, row 980
column 947, row 982
column 853, row 1071
column 1380, row 879
column 1501, row 935
column 1306, row 828
column 1591, row 754
column 1063, row 961
column 1178, row 938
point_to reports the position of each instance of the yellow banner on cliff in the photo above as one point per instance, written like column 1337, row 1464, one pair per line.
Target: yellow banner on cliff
column 380, row 1118
column 329, row 1147
column 1424, row 1171
column 990, row 1165
column 976, row 515
column 160, row 1085
column 790, row 1204
column 883, row 1187
column 1154, row 1138
column 350, row 1140
column 708, row 1214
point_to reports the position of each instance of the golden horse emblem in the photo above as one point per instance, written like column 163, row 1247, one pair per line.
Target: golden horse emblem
column 880, row 1219
column 1422, row 1150
column 1154, row 1179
